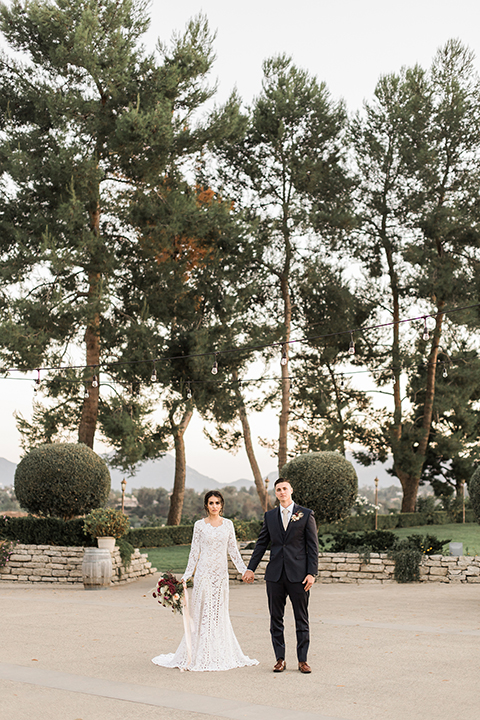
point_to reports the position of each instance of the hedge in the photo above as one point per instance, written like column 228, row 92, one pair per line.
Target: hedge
column 396, row 520
column 54, row 531
column 182, row 534
column 45, row 531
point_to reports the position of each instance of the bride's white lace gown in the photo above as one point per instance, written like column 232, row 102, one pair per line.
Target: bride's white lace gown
column 214, row 645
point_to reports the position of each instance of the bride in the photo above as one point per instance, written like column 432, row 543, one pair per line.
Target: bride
column 213, row 642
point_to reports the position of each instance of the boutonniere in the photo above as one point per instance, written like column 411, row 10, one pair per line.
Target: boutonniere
column 296, row 516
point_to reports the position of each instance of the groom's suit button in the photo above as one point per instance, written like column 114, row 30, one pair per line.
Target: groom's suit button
column 280, row 665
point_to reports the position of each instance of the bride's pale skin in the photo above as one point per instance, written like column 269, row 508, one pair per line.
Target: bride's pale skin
column 214, row 507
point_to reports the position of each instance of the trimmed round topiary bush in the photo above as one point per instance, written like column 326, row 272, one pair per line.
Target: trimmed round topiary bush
column 324, row 482
column 62, row 480
column 474, row 493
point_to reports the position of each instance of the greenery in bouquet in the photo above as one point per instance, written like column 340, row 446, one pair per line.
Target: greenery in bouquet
column 106, row 522
column 169, row 592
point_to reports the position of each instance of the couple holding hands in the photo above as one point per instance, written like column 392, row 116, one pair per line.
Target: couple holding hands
column 291, row 533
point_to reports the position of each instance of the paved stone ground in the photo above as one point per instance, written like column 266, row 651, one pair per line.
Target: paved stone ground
column 378, row 652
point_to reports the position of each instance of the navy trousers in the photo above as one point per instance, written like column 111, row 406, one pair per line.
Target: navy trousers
column 277, row 593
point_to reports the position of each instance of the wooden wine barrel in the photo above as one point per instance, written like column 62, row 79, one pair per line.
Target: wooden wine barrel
column 96, row 568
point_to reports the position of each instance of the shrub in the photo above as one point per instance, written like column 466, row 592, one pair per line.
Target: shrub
column 374, row 541
column 62, row 480
column 106, row 522
column 474, row 493
column 6, row 548
column 44, row 531
column 324, row 482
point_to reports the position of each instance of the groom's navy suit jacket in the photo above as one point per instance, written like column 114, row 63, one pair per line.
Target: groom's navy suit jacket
column 295, row 549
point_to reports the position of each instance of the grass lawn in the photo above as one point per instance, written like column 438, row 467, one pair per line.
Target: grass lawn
column 175, row 558
column 468, row 534
column 172, row 558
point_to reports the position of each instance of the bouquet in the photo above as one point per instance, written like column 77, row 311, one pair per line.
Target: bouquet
column 169, row 592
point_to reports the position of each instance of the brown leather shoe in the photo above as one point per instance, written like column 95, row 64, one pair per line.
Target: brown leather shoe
column 280, row 665
column 304, row 667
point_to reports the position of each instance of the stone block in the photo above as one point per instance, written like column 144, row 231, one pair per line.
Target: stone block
column 472, row 570
column 473, row 578
column 438, row 578
column 358, row 575
column 20, row 557
column 351, row 567
column 339, row 574
column 438, row 570
column 326, row 566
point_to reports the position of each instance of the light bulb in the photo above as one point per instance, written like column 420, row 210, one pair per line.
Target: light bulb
column 445, row 372
column 284, row 359
column 426, row 334
column 86, row 394
column 351, row 349
column 94, row 381
column 215, row 366
column 154, row 375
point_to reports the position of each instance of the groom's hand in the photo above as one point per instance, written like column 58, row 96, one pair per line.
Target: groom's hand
column 308, row 582
column 248, row 576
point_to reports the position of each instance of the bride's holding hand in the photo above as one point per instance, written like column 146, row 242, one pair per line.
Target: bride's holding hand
column 213, row 642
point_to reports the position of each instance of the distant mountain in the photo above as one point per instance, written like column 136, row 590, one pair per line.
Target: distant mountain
column 7, row 472
column 161, row 472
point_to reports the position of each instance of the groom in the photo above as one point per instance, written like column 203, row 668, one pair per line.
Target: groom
column 292, row 532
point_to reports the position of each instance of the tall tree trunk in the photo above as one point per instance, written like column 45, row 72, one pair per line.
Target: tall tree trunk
column 88, row 419
column 411, row 481
column 285, row 400
column 178, row 494
column 247, row 439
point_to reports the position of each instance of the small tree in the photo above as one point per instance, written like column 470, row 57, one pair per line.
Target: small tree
column 324, row 482
column 62, row 480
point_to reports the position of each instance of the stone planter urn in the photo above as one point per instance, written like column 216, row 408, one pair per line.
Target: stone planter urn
column 106, row 543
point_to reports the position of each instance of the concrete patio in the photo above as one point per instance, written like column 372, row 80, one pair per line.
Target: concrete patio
column 378, row 652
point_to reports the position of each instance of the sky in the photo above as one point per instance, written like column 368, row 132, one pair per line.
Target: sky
column 347, row 44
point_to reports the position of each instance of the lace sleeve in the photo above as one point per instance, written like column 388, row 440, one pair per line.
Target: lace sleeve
column 194, row 553
column 233, row 549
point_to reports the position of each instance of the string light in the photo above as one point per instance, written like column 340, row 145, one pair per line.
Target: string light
column 154, row 374
column 189, row 391
column 284, row 359
column 351, row 349
column 426, row 334
column 445, row 371
column 215, row 365
column 95, row 380
column 86, row 394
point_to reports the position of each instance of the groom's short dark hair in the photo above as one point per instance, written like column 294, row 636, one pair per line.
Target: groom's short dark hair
column 280, row 480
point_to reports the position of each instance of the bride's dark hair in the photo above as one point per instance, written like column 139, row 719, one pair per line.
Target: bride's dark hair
column 213, row 493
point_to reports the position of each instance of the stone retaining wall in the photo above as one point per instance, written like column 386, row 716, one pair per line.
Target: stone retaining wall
column 350, row 568
column 59, row 564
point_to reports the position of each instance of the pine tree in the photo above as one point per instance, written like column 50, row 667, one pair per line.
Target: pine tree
column 287, row 175
column 87, row 118
column 417, row 149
